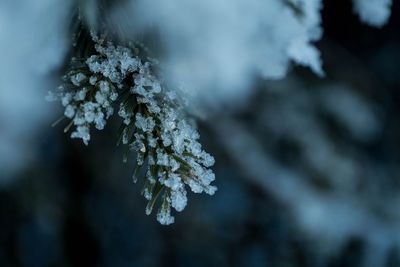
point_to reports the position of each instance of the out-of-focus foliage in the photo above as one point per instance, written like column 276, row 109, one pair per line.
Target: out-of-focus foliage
column 308, row 175
column 33, row 42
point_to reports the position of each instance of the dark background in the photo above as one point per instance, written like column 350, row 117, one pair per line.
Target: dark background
column 77, row 206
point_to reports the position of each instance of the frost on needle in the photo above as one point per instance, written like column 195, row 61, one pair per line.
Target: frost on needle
column 154, row 124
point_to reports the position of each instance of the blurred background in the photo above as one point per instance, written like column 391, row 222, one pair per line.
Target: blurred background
column 308, row 170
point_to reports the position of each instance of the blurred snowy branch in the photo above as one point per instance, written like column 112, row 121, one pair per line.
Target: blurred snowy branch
column 373, row 12
column 328, row 218
column 33, row 42
column 215, row 48
column 211, row 52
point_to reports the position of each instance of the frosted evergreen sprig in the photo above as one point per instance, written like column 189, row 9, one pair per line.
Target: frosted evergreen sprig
column 161, row 136
column 154, row 123
column 87, row 99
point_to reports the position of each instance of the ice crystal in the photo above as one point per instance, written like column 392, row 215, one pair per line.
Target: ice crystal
column 86, row 102
column 154, row 123
column 161, row 134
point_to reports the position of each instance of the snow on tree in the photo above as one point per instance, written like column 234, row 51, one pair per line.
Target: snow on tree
column 373, row 12
column 211, row 52
column 153, row 123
